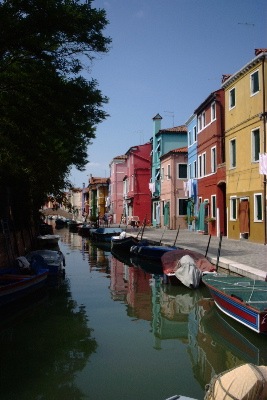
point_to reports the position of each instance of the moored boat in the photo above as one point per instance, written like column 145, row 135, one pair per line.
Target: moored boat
column 105, row 234
column 48, row 240
column 150, row 252
column 15, row 285
column 241, row 298
column 123, row 242
column 185, row 266
column 52, row 260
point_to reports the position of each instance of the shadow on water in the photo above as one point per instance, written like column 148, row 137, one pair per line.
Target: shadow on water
column 43, row 343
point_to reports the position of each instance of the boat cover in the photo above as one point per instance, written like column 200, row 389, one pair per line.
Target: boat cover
column 247, row 382
column 170, row 261
column 188, row 273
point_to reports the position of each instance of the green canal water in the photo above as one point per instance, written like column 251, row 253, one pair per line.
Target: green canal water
column 113, row 331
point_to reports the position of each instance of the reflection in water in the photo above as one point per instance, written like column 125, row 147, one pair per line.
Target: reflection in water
column 43, row 347
column 111, row 318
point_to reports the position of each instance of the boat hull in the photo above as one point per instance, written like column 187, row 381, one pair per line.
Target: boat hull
column 234, row 301
column 13, row 287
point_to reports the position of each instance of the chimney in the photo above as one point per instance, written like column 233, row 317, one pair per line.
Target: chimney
column 157, row 123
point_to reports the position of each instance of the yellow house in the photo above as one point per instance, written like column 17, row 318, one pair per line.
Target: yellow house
column 245, row 144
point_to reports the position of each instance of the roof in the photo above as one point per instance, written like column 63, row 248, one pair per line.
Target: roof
column 180, row 150
column 96, row 180
column 175, row 129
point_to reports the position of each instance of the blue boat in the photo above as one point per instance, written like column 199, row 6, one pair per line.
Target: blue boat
column 105, row 234
column 16, row 283
column 53, row 260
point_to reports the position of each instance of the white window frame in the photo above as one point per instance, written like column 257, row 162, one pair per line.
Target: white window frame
column 190, row 171
column 232, row 159
column 233, row 202
column 199, row 123
column 213, row 159
column 195, row 134
column 178, row 171
column 232, row 98
column 213, row 111
column 256, row 210
column 254, row 157
column 203, row 117
column 162, row 174
column 204, row 165
column 190, row 141
column 213, row 203
column 195, row 169
column 199, row 166
column 178, row 205
column 254, row 91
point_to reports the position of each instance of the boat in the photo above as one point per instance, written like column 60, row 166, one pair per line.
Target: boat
column 245, row 382
column 52, row 260
column 241, row 298
column 150, row 252
column 185, row 266
column 151, row 267
column 48, row 240
column 17, row 283
column 123, row 242
column 60, row 223
column 105, row 234
column 85, row 230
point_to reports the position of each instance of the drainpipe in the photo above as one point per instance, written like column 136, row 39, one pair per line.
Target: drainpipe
column 263, row 117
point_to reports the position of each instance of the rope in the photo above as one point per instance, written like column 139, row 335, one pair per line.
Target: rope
column 209, row 388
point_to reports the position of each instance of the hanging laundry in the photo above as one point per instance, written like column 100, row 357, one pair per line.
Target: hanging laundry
column 263, row 164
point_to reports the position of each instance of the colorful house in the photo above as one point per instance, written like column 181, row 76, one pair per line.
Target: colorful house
column 245, row 149
column 192, row 204
column 210, row 164
column 163, row 141
column 98, row 193
column 173, row 198
column 136, row 193
column 118, row 170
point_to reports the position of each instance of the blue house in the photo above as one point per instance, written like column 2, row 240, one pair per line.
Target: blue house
column 192, row 209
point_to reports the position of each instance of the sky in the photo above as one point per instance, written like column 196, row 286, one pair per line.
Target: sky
column 166, row 57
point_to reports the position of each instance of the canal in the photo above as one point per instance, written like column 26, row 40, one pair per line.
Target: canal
column 112, row 330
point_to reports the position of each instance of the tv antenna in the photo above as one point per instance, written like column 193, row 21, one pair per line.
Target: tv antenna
column 171, row 115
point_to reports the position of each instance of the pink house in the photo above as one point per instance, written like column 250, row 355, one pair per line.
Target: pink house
column 118, row 170
column 136, row 193
column 173, row 176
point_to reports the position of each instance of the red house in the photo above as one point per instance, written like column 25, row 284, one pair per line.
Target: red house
column 211, row 164
column 136, row 193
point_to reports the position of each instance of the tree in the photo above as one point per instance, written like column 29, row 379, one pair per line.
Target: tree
column 48, row 110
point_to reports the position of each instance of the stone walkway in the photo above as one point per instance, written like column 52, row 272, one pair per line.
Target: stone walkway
column 239, row 256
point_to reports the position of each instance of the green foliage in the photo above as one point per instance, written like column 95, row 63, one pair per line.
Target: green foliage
column 48, row 110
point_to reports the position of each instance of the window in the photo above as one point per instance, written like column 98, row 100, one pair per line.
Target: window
column 258, row 215
column 199, row 124
column 168, row 171
column 195, row 169
column 254, row 83
column 255, row 145
column 158, row 146
column 190, row 138
column 203, row 116
column 162, row 174
column 199, row 167
column 195, row 133
column 213, row 206
column 232, row 98
column 190, row 171
column 182, row 206
column 157, row 174
column 232, row 153
column 204, row 164
column 213, row 159
column 182, row 171
column 233, row 208
column 213, row 111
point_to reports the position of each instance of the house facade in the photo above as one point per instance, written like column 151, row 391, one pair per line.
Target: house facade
column 192, row 192
column 98, row 189
column 118, row 170
column 163, row 141
column 211, row 174
column 136, row 193
column 245, row 142
column 173, row 197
